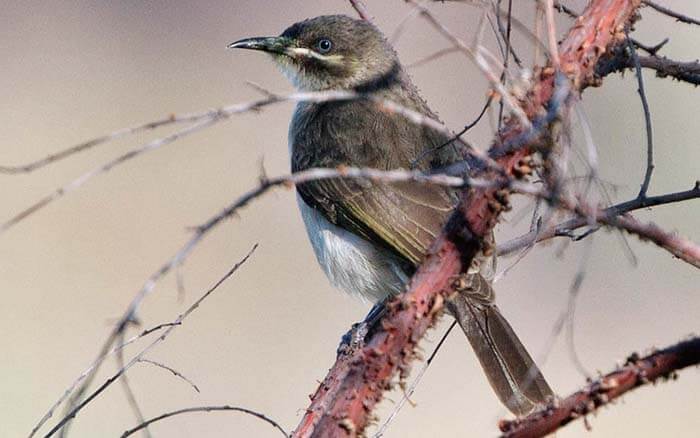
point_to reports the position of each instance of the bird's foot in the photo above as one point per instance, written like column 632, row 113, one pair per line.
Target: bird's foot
column 354, row 339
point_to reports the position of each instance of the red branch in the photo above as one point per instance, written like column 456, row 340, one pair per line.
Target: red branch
column 343, row 403
column 635, row 373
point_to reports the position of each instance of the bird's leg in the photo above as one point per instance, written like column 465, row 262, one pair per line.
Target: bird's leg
column 354, row 339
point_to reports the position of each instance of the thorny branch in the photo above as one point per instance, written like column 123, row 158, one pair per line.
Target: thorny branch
column 620, row 60
column 636, row 372
column 265, row 186
column 606, row 216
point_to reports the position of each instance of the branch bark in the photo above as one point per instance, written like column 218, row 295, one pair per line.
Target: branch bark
column 636, row 372
column 566, row 228
column 619, row 60
column 343, row 403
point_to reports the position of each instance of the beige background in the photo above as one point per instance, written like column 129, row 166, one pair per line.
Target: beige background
column 74, row 70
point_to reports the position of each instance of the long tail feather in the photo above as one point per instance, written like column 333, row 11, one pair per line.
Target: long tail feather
column 512, row 373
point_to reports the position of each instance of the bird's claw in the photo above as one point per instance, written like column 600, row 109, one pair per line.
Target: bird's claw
column 354, row 339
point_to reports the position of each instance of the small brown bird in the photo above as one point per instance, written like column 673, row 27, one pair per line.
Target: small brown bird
column 370, row 236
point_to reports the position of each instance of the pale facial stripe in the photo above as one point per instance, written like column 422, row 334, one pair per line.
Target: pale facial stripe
column 295, row 52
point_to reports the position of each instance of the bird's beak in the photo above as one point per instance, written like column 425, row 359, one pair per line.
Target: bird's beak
column 278, row 44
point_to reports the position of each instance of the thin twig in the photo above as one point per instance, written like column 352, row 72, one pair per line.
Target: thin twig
column 78, row 182
column 175, row 372
column 259, row 415
column 128, row 392
column 562, row 8
column 85, row 373
column 73, row 410
column 652, row 50
column 666, row 11
column 552, row 34
column 647, row 120
column 361, row 9
column 456, row 136
column 209, row 118
column 408, row 392
column 506, row 35
column 68, row 152
column 565, row 228
column 476, row 55
column 432, row 57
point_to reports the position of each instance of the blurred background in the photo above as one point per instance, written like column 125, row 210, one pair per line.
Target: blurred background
column 75, row 70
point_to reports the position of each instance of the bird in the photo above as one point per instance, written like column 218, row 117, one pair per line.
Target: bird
column 369, row 237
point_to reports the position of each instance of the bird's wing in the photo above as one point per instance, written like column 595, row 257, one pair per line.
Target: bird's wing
column 405, row 217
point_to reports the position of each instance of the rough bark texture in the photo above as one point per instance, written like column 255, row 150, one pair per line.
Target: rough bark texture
column 343, row 403
column 637, row 372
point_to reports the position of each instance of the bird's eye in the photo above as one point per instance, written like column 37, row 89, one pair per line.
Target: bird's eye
column 324, row 45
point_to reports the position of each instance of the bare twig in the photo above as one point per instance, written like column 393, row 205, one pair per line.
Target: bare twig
column 652, row 50
column 647, row 120
column 666, row 11
column 432, row 57
column 79, row 405
column 638, row 371
column 175, row 372
column 361, row 9
column 552, row 34
column 565, row 228
column 507, row 51
column 87, row 372
column 620, row 60
column 476, row 55
column 58, row 156
column 467, row 127
column 205, row 119
column 562, row 8
column 408, row 392
column 78, row 182
column 128, row 392
column 259, row 415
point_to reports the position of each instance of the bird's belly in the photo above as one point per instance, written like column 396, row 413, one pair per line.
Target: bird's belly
column 350, row 262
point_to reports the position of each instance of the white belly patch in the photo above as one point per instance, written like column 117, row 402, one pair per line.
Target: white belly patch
column 350, row 262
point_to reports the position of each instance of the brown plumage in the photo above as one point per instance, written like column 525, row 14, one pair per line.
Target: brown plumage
column 368, row 236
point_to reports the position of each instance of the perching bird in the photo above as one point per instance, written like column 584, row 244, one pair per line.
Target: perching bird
column 370, row 236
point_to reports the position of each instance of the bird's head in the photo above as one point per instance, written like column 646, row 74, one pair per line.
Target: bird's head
column 329, row 52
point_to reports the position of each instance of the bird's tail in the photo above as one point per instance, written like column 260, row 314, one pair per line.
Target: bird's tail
column 512, row 373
